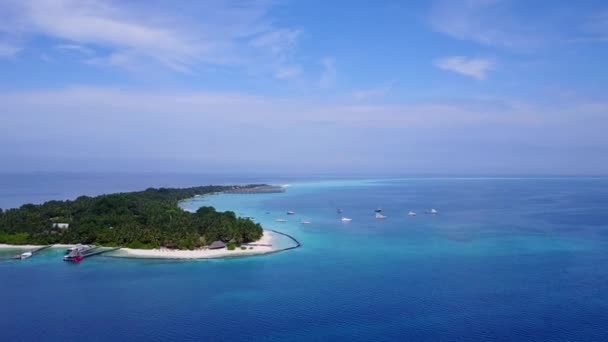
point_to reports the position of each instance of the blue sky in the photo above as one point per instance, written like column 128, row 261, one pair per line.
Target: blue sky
column 382, row 87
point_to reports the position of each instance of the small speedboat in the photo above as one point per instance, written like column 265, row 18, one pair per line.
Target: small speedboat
column 26, row 255
column 411, row 213
column 305, row 222
column 291, row 213
column 281, row 220
column 346, row 219
column 433, row 211
column 23, row 255
column 379, row 216
column 79, row 248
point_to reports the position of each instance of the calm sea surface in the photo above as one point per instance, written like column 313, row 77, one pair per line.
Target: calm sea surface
column 505, row 259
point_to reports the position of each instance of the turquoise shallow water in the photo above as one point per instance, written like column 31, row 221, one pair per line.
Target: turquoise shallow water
column 504, row 260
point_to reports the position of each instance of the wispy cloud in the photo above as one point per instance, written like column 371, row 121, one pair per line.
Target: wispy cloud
column 494, row 23
column 200, row 127
column 134, row 33
column 287, row 72
column 374, row 92
column 83, row 104
column 75, row 48
column 476, row 68
column 7, row 50
column 328, row 74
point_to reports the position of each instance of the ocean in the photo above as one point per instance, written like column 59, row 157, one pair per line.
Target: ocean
column 505, row 259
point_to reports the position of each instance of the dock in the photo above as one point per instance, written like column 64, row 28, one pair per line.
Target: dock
column 98, row 251
column 29, row 254
column 78, row 256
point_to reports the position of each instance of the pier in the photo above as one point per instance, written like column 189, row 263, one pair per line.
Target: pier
column 98, row 251
column 77, row 257
column 31, row 253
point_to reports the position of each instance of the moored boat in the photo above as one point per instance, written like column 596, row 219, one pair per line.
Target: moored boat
column 74, row 256
column 411, row 213
column 22, row 256
column 79, row 248
column 346, row 219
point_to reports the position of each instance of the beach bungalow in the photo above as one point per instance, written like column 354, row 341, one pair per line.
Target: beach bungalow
column 217, row 245
column 61, row 225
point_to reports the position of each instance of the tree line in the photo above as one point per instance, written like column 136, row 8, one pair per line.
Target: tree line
column 143, row 219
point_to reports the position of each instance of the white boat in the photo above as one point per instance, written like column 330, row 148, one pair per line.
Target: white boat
column 380, row 216
column 291, row 213
column 411, row 213
column 281, row 220
column 26, row 255
column 79, row 248
column 433, row 211
column 346, row 219
column 305, row 222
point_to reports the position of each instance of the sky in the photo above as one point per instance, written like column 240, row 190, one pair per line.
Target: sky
column 372, row 87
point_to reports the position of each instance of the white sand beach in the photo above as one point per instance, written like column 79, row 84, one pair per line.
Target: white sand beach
column 5, row 246
column 165, row 253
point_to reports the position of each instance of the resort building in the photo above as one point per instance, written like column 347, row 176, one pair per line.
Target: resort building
column 217, row 245
column 61, row 225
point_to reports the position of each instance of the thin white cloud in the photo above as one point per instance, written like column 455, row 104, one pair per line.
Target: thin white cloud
column 193, row 128
column 371, row 93
column 287, row 72
column 135, row 33
column 7, row 50
column 487, row 22
column 107, row 104
column 476, row 68
column 75, row 48
column 328, row 74
column 279, row 45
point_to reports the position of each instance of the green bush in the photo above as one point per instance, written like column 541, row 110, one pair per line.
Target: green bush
column 243, row 248
column 231, row 246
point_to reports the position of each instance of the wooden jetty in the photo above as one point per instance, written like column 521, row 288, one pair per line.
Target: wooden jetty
column 79, row 256
column 29, row 254
column 99, row 251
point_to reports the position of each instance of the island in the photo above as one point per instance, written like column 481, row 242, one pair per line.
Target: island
column 146, row 223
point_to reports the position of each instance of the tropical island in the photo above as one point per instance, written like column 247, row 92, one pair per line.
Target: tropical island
column 143, row 220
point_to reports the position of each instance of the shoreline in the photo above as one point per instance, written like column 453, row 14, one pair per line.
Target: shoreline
column 58, row 245
column 253, row 249
column 202, row 253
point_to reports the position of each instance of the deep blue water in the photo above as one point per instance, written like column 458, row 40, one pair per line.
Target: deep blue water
column 504, row 260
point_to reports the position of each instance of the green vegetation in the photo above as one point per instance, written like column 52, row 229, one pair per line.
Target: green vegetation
column 144, row 219
column 243, row 248
column 231, row 246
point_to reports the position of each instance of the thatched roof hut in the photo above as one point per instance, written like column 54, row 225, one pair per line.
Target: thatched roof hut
column 217, row 245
